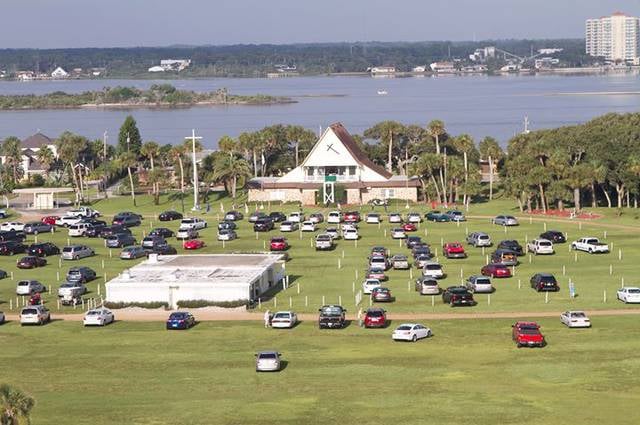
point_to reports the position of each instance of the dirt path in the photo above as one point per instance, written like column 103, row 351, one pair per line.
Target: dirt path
column 566, row 221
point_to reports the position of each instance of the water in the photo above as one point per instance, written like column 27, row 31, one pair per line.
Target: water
column 478, row 105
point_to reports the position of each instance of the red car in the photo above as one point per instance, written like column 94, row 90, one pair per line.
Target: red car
column 278, row 244
column 375, row 274
column 496, row 270
column 50, row 220
column 193, row 244
column 31, row 262
column 375, row 317
column 409, row 227
column 353, row 216
column 453, row 250
column 527, row 334
column 381, row 294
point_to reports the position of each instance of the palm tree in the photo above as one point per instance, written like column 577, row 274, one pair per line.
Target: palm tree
column 231, row 168
column 15, row 406
column 491, row 150
column 176, row 154
column 128, row 160
column 155, row 177
column 11, row 149
column 249, row 144
column 69, row 147
column 151, row 150
column 385, row 131
column 46, row 158
column 436, row 129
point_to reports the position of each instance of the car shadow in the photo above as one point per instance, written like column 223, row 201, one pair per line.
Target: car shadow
column 283, row 365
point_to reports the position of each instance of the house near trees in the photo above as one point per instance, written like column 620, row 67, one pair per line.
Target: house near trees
column 29, row 148
column 336, row 157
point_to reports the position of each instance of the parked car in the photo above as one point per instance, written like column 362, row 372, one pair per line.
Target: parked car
column 381, row 294
column 527, row 334
column 12, row 248
column 591, row 245
column 479, row 239
column 378, row 262
column 457, row 296
column 316, row 218
column 227, row 225
column 76, row 252
column 414, row 217
column 453, row 250
column 412, row 240
column 332, row 316
column 43, row 249
column 296, row 217
column 350, row 235
column 398, row 233
column 34, row 315
column 84, row 212
column 511, row 245
column 2, row 318
column 31, row 262
column 278, row 243
column 395, row 218
column 227, row 235
column 132, row 253
column 540, row 247
column 81, row 274
column 505, row 220
column 150, row 241
column 372, row 218
column 163, row 250
column 544, row 282
column 12, row 225
column 257, row 215
column 433, row 269
column 100, row 316
column 277, row 217
column 421, row 260
column 308, row 226
column 333, row 232
column 35, row 227
column 192, row 223
column 375, row 317
column 284, row 320
column 181, row 320
column 628, row 295
column 233, row 216
column 71, row 290
column 437, row 217
column 183, row 234
column 78, row 229
column 48, row 219
column 3, row 213
column 94, row 230
column 353, row 216
column 575, row 319
column 554, row 236
column 268, row 361
column 421, row 249
column 12, row 235
column 369, row 284
column 120, row 240
column 375, row 274
column 496, row 270
column 127, row 219
column 411, row 332
column 3, row 274
column 324, row 242
column 409, row 227
column 455, row 215
column 334, row 217
column 505, row 257
column 479, row 284
column 192, row 244
column 288, row 226
column 400, row 262
column 29, row 287
column 426, row 285
column 113, row 230
column 169, row 216
column 263, row 225
column 378, row 251
column 67, row 220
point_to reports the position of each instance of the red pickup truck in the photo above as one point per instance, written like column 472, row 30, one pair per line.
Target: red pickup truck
column 527, row 334
column 453, row 250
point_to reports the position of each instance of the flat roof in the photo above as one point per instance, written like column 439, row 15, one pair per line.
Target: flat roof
column 32, row 190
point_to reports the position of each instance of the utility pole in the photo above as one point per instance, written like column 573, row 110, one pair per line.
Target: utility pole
column 104, row 161
column 193, row 139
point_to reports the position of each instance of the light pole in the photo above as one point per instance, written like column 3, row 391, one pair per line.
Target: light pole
column 193, row 139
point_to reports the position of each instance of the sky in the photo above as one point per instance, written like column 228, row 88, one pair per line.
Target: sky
column 125, row 23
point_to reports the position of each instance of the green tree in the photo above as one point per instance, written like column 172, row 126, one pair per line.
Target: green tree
column 387, row 132
column 491, row 151
column 46, row 158
column 230, row 169
column 12, row 151
column 15, row 406
column 129, row 160
column 70, row 147
column 129, row 139
column 151, row 150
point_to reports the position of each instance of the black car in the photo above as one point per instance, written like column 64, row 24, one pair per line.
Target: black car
column 227, row 225
column 12, row 235
column 263, row 225
column 421, row 252
column 457, row 296
column 43, row 249
column 113, row 230
column 180, row 320
column 3, row 274
column 163, row 250
column 80, row 274
column 554, row 236
column 30, row 262
column 127, row 220
column 94, row 230
column 233, row 216
column 170, row 216
column 511, row 245
column 332, row 316
column 93, row 221
column 161, row 231
column 12, row 247
column 411, row 241
column 277, row 217
column 543, row 282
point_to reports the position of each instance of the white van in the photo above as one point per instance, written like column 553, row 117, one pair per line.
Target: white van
column 78, row 229
column 334, row 217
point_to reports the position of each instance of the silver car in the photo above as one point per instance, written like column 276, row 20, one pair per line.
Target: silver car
column 35, row 315
column 479, row 284
column 98, row 317
column 479, row 239
column 35, row 227
column 71, row 289
column 132, row 253
column 76, row 252
column 29, row 287
column 505, row 220
column 268, row 361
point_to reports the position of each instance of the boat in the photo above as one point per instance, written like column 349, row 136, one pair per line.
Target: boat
column 382, row 92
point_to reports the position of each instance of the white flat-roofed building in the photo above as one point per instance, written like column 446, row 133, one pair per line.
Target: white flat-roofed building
column 210, row 277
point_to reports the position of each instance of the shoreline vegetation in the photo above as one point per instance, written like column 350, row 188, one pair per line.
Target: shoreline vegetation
column 157, row 96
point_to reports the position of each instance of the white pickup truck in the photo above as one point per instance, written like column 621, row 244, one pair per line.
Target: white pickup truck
column 590, row 245
column 540, row 247
column 84, row 212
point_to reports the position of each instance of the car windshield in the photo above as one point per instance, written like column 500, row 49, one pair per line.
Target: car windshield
column 404, row 328
column 67, row 249
column 483, row 236
column 331, row 311
column 323, row 238
column 634, row 291
column 93, row 313
column 268, row 356
column 400, row 258
column 578, row 314
column 433, row 267
column 177, row 316
column 281, row 316
column 23, row 283
column 29, row 311
column 547, row 279
column 483, row 281
column 545, row 243
column 375, row 313
column 279, row 240
column 529, row 330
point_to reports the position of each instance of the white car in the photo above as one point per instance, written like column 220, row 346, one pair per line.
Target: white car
column 379, row 263
column 11, row 225
column 414, row 217
column 288, row 226
column 333, row 232
column 78, row 229
column 71, row 289
column 369, row 284
column 346, row 226
column 192, row 223
column 540, row 247
column 505, row 220
column 398, row 233
column 350, row 235
column 98, row 317
column 295, row 217
column 227, row 235
column 629, row 295
column 316, row 218
column 284, row 319
column 308, row 226
column 433, row 269
column 334, row 217
column 372, row 218
column 34, row 315
column 186, row 234
column 411, row 332
column 395, row 218
column 575, row 319
column 29, row 287
column 591, row 245
column 68, row 220
column 268, row 361
column 479, row 284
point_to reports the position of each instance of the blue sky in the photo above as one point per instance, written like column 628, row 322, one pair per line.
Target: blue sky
column 106, row 23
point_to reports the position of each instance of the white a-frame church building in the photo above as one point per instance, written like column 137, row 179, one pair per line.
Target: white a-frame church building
column 335, row 158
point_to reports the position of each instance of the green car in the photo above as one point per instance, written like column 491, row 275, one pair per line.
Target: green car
column 437, row 216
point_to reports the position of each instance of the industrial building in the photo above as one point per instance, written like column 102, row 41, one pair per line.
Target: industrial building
column 210, row 277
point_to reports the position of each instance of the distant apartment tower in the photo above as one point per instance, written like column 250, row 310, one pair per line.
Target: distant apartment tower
column 615, row 37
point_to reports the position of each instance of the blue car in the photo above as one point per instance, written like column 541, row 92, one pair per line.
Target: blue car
column 180, row 320
column 437, row 216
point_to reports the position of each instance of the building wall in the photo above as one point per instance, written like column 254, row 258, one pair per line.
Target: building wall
column 404, row 193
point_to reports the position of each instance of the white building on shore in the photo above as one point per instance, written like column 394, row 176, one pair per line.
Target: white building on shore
column 615, row 37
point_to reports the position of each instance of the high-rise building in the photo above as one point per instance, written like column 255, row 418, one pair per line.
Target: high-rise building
column 615, row 37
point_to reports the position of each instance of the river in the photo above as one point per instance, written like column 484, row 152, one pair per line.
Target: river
column 479, row 105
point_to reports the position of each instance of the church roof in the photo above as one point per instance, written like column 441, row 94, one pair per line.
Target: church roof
column 36, row 141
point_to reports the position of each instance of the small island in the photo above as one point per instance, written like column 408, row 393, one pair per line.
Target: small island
column 157, row 96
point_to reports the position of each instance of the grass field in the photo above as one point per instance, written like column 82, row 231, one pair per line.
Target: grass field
column 469, row 373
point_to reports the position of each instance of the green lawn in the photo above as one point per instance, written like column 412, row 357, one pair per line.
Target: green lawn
column 469, row 373
column 315, row 275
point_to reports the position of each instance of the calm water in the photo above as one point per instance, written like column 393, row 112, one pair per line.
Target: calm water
column 478, row 105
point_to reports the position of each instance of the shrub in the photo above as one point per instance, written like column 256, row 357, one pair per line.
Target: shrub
column 205, row 303
column 149, row 305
